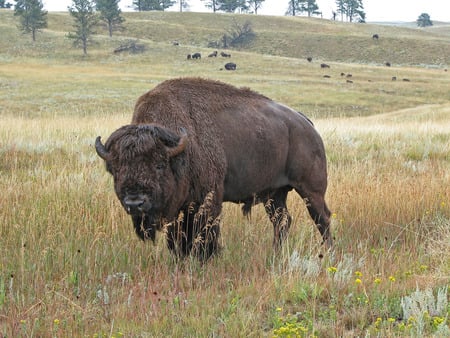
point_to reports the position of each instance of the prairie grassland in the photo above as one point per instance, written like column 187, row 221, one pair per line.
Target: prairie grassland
column 71, row 265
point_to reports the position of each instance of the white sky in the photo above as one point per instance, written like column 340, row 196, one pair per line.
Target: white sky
column 376, row 10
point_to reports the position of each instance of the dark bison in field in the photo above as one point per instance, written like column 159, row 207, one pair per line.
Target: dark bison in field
column 194, row 143
column 230, row 66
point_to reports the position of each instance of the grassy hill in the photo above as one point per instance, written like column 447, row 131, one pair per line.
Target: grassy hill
column 275, row 64
column 297, row 37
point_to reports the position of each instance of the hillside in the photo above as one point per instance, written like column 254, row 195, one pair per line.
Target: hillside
column 275, row 64
column 297, row 37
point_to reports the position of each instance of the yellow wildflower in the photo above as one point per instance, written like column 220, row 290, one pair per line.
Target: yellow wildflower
column 332, row 269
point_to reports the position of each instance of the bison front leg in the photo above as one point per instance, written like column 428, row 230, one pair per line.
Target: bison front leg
column 206, row 243
column 195, row 233
column 279, row 216
column 180, row 234
column 207, row 227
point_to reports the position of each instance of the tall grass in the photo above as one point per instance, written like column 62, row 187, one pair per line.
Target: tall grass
column 71, row 265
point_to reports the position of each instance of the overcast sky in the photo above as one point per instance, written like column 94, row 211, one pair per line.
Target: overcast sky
column 376, row 10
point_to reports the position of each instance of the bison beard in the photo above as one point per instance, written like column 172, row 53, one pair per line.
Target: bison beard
column 194, row 143
column 145, row 227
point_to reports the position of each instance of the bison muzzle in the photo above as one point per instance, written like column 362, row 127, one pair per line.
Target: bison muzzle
column 194, row 143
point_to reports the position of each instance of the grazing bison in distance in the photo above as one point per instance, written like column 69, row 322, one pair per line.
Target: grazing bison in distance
column 230, row 66
column 195, row 143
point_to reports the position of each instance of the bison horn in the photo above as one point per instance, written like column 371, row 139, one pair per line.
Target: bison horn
column 179, row 148
column 100, row 148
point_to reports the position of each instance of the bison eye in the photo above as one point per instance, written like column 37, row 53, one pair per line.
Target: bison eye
column 160, row 166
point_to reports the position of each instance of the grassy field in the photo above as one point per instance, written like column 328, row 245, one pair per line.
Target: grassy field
column 71, row 265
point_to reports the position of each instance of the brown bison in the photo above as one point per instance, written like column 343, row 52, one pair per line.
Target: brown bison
column 195, row 143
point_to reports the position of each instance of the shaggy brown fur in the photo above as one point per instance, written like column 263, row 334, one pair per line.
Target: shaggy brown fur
column 194, row 143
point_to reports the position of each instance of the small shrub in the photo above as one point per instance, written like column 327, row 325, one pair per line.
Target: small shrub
column 239, row 35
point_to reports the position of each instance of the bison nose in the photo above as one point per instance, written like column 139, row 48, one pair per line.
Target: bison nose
column 133, row 203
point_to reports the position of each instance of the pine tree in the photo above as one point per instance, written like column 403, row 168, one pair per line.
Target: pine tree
column 110, row 13
column 230, row 6
column 183, row 5
column 85, row 21
column 351, row 9
column 213, row 4
column 302, row 6
column 424, row 20
column 255, row 4
column 32, row 16
column 4, row 4
column 153, row 5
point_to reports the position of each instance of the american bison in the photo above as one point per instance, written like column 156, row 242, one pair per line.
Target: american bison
column 230, row 66
column 195, row 143
column 324, row 65
column 225, row 55
column 196, row 56
column 375, row 37
column 213, row 54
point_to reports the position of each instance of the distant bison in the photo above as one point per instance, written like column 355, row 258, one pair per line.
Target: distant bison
column 375, row 36
column 309, row 59
column 194, row 143
column 324, row 65
column 196, row 56
column 213, row 54
column 225, row 55
column 230, row 66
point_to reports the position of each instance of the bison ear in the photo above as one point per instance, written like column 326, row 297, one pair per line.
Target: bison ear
column 100, row 148
column 179, row 148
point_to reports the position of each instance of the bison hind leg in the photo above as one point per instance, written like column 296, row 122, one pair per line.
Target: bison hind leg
column 319, row 212
column 247, row 208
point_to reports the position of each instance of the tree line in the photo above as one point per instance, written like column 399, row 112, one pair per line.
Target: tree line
column 87, row 15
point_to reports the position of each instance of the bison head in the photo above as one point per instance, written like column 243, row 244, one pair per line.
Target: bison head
column 146, row 163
